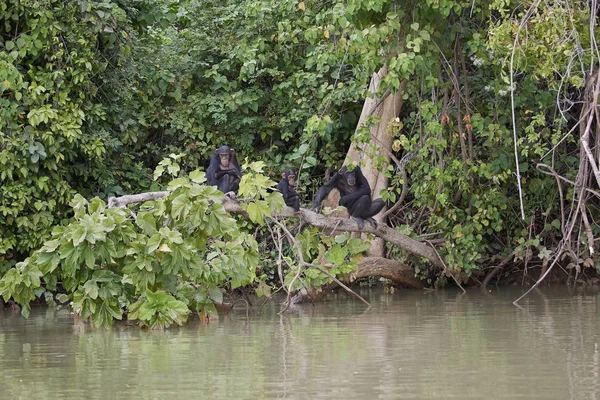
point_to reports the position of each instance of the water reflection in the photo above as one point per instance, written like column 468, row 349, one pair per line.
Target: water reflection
column 409, row 345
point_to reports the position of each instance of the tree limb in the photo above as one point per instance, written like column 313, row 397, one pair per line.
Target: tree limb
column 318, row 220
column 303, row 263
column 123, row 201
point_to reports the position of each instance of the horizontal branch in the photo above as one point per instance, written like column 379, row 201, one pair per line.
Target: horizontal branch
column 383, row 231
column 318, row 220
column 123, row 201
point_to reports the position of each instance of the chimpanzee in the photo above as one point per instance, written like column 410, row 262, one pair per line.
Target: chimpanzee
column 286, row 187
column 355, row 195
column 224, row 171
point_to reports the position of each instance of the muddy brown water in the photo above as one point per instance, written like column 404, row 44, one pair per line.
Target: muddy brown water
column 409, row 345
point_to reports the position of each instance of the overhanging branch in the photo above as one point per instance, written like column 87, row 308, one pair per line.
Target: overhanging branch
column 318, row 220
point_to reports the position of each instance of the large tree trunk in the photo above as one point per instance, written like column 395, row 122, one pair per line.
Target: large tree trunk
column 380, row 145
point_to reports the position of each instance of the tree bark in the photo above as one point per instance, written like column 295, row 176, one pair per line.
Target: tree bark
column 123, row 201
column 390, row 269
column 387, row 108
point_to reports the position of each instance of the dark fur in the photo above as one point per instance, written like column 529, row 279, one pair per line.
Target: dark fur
column 355, row 197
column 226, row 180
column 290, row 195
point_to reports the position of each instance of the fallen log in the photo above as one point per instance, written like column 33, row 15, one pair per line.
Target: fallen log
column 393, row 270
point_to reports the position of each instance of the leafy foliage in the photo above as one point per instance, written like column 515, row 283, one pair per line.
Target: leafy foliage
column 339, row 255
column 93, row 95
column 52, row 141
column 173, row 256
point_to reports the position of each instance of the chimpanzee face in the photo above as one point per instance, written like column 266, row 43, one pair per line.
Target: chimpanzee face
column 224, row 159
column 291, row 179
column 290, row 176
column 350, row 177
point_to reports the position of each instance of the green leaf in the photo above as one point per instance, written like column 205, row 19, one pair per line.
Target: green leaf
column 158, row 171
column 198, row 176
column 78, row 234
column 216, row 294
column 62, row 298
column 337, row 255
column 91, row 289
column 179, row 206
column 89, row 257
column 303, row 148
column 147, row 222
column 153, row 243
column 257, row 211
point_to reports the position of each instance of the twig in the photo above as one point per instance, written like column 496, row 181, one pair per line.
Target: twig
column 558, row 252
column 562, row 178
column 302, row 263
column 585, row 137
column 334, row 228
column 497, row 268
column 336, row 280
column 512, row 102
column 269, row 298
column 279, row 244
column 247, row 306
column 446, row 269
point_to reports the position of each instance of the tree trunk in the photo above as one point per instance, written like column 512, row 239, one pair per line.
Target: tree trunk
column 387, row 108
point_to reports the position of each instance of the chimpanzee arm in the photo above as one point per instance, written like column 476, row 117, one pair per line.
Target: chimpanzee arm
column 292, row 192
column 325, row 189
column 213, row 168
column 232, row 171
column 284, row 187
column 222, row 172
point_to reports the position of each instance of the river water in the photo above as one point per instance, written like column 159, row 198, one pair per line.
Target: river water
column 409, row 345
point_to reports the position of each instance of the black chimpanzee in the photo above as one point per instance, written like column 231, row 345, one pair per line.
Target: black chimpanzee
column 286, row 187
column 224, row 171
column 355, row 195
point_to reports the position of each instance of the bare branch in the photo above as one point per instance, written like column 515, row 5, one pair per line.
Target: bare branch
column 512, row 101
column 303, row 263
column 123, row 201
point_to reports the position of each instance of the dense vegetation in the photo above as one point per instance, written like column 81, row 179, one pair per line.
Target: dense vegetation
column 496, row 141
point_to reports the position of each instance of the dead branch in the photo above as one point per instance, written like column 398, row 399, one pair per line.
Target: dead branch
column 446, row 269
column 496, row 269
column 123, row 201
column 303, row 263
column 590, row 118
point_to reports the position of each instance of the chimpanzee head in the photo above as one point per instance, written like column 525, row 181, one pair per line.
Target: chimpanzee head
column 349, row 172
column 225, row 153
column 290, row 176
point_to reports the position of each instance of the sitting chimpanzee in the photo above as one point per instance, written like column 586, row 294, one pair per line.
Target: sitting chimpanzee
column 286, row 187
column 355, row 195
column 224, row 171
